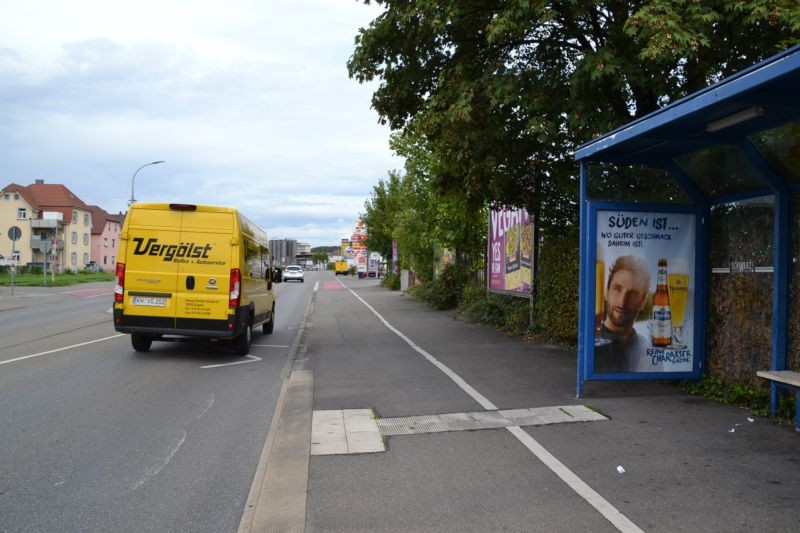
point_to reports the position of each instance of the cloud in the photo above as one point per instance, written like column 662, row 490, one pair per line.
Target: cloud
column 249, row 105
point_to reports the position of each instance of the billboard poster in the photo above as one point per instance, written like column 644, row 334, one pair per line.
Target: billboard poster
column 644, row 292
column 510, row 251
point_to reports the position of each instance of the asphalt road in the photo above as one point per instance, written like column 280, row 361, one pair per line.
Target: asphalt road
column 97, row 437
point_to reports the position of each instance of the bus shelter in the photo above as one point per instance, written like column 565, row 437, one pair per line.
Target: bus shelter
column 690, row 235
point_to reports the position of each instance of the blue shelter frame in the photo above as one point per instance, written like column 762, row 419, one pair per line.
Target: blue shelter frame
column 727, row 115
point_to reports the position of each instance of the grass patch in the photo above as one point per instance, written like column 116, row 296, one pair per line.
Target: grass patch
column 37, row 280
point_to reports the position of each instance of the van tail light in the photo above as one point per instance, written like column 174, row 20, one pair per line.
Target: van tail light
column 236, row 288
column 119, row 286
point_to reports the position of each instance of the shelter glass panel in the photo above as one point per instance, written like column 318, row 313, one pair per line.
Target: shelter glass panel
column 721, row 171
column 633, row 183
column 793, row 355
column 741, row 247
column 781, row 146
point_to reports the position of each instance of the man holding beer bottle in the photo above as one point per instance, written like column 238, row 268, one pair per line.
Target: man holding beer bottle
column 625, row 297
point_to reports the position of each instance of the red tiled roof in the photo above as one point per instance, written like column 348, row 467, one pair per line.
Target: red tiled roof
column 99, row 219
column 24, row 192
column 50, row 197
column 55, row 195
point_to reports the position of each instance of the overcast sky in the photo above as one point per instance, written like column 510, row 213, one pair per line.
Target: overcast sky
column 248, row 102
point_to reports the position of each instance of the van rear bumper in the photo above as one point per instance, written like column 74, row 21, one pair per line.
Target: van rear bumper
column 189, row 327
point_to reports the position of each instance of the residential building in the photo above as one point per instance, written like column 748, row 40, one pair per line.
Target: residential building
column 105, row 238
column 55, row 226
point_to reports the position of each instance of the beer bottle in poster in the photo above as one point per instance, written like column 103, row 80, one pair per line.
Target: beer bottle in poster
column 662, row 317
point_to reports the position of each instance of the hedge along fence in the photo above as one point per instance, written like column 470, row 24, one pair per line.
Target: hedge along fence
column 556, row 306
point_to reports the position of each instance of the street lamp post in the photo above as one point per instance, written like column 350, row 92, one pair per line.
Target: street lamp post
column 130, row 202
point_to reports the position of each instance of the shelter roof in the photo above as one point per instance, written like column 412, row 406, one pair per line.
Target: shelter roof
column 760, row 97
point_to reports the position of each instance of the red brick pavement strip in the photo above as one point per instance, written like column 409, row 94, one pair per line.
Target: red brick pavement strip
column 89, row 293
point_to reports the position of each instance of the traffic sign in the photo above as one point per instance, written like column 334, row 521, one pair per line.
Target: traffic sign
column 14, row 233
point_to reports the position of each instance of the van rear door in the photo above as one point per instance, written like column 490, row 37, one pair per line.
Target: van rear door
column 150, row 278
column 203, row 280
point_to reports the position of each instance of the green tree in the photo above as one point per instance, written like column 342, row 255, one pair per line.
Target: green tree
column 406, row 209
column 319, row 257
column 504, row 90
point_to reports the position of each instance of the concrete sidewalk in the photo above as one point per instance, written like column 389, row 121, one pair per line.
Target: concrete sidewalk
column 661, row 460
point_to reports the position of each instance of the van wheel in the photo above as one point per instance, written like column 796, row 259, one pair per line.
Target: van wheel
column 242, row 343
column 267, row 327
column 141, row 343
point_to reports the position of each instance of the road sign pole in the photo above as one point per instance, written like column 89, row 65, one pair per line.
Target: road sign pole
column 13, row 263
column 14, row 233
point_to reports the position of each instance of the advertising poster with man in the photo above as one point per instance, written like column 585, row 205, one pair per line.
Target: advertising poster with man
column 510, row 251
column 644, row 292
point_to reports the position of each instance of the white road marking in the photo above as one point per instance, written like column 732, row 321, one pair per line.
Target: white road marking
column 316, row 286
column 206, row 406
column 609, row 512
column 271, row 345
column 59, row 349
column 159, row 465
column 252, row 359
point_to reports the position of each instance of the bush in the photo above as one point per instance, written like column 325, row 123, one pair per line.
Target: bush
column 391, row 281
column 510, row 314
column 445, row 292
column 736, row 393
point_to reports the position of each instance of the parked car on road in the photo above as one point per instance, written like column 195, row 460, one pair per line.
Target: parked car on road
column 293, row 273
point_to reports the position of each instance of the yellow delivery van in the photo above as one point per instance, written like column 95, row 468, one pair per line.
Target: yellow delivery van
column 342, row 267
column 188, row 271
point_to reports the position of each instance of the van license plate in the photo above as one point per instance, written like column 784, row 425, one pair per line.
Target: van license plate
column 149, row 301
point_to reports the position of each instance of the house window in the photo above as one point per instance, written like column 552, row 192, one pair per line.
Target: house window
column 74, row 238
column 105, row 242
column 74, row 217
column 16, row 196
column 86, row 219
column 105, row 259
column 73, row 258
column 85, row 259
column 113, row 243
column 6, row 196
column 22, row 214
column 85, row 238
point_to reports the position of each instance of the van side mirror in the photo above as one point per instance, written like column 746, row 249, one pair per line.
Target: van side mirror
column 277, row 275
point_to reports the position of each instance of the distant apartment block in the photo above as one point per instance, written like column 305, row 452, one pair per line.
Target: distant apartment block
column 283, row 251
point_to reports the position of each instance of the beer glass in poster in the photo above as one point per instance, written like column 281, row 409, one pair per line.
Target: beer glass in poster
column 678, row 283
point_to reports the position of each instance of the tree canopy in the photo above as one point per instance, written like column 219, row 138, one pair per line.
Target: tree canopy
column 502, row 91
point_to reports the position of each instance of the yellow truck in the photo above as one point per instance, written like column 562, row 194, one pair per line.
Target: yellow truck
column 342, row 267
column 188, row 271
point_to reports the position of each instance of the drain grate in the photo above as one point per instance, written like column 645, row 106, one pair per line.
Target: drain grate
column 537, row 416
